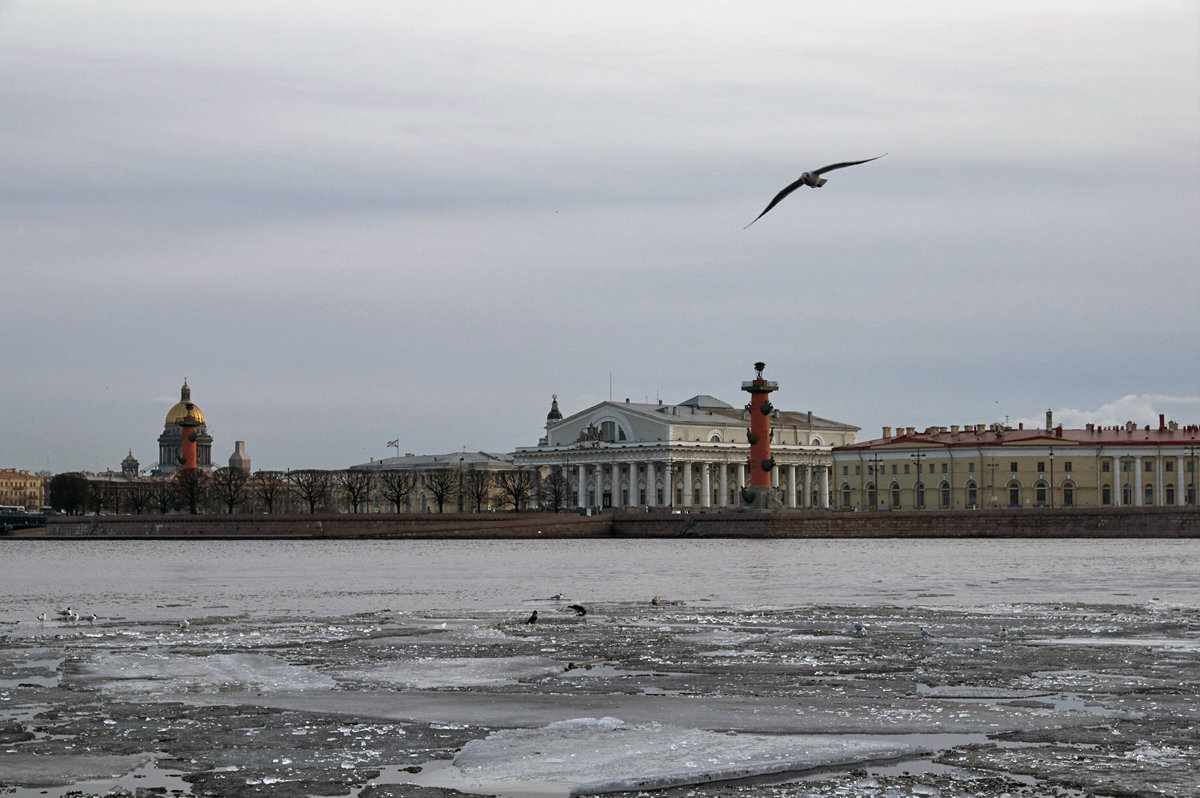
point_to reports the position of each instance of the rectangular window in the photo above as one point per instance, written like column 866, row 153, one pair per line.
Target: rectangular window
column 1012, row 466
column 971, row 468
column 857, row 471
column 845, row 470
column 1105, row 467
column 1067, row 466
column 1149, row 466
column 1169, row 466
column 943, row 468
column 1041, row 466
column 894, row 469
column 906, row 468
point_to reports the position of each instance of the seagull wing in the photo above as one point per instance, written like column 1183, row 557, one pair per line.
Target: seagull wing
column 779, row 198
column 844, row 164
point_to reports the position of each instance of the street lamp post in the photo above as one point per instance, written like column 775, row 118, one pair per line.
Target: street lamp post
column 919, row 490
column 875, row 460
column 1051, row 477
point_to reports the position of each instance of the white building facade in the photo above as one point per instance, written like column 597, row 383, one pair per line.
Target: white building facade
column 691, row 455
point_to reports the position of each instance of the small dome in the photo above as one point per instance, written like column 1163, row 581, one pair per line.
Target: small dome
column 129, row 457
column 555, row 414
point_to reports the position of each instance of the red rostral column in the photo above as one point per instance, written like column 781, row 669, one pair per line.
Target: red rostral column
column 187, row 448
column 761, row 462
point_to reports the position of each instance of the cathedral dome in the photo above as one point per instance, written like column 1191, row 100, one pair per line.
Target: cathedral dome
column 179, row 412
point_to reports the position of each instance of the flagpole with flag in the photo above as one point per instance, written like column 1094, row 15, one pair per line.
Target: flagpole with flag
column 396, row 445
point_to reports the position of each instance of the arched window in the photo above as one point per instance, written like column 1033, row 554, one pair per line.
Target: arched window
column 1170, row 493
column 1040, row 493
column 972, row 495
column 845, row 497
column 872, row 497
column 945, row 490
column 895, row 495
column 1106, row 495
column 920, row 494
column 1014, row 494
column 1148, row 494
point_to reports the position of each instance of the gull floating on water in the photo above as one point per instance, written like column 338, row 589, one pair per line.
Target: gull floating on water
column 811, row 179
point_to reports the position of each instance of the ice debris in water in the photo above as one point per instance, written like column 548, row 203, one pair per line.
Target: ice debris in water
column 595, row 755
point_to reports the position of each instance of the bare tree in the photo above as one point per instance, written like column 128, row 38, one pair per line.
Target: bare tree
column 312, row 484
column 517, row 487
column 442, row 483
column 356, row 484
column 191, row 486
column 478, row 487
column 229, row 486
column 163, row 495
column 140, row 496
column 556, row 491
column 268, row 488
column 397, row 485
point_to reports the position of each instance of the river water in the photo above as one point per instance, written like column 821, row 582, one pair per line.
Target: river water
column 154, row 580
column 382, row 668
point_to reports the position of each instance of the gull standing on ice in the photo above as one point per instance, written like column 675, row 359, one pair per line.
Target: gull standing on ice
column 811, row 179
column 184, row 625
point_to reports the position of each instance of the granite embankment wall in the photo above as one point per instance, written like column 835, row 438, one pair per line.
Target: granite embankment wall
column 1133, row 522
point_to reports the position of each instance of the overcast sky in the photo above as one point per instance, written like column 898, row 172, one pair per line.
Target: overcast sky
column 349, row 223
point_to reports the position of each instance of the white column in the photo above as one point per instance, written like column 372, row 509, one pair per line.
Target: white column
column 633, row 483
column 824, row 497
column 668, row 488
column 582, row 485
column 1137, row 480
column 705, row 485
column 775, row 476
column 741, row 475
column 1180, row 484
column 616, row 485
column 791, row 486
column 724, row 485
column 1116, row 490
column 807, row 487
column 1159, row 493
column 599, row 486
column 687, row 484
column 650, row 497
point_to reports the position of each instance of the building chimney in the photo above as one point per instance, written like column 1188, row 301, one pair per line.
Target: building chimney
column 1162, row 421
column 887, row 432
column 954, row 428
column 1049, row 419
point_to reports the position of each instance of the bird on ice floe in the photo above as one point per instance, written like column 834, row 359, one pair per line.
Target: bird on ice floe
column 65, row 613
column 811, row 179
column 532, row 618
column 924, row 633
column 184, row 625
column 42, row 617
column 580, row 610
column 859, row 629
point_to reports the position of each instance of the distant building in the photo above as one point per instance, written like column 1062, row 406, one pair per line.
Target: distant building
column 460, row 464
column 692, row 454
column 973, row 466
column 170, row 443
column 22, row 489
column 239, row 458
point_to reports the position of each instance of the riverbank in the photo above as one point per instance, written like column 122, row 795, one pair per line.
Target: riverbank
column 1131, row 522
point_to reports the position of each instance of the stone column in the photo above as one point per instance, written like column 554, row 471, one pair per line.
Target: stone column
column 633, row 485
column 616, row 485
column 687, row 484
column 741, row 475
column 1180, row 482
column 791, row 486
column 807, row 487
column 705, row 485
column 1137, row 480
column 1117, row 487
column 582, row 485
column 724, row 485
column 824, row 497
column 651, row 499
column 599, row 485
column 668, row 487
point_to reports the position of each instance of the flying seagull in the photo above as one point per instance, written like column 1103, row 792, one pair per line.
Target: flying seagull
column 812, row 180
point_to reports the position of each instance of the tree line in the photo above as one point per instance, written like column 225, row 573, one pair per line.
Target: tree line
column 234, row 490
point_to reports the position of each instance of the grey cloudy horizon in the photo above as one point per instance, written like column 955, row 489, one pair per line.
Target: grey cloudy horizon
column 349, row 225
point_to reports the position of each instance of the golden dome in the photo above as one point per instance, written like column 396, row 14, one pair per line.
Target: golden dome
column 179, row 412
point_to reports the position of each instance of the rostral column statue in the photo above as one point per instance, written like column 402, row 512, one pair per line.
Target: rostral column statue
column 761, row 463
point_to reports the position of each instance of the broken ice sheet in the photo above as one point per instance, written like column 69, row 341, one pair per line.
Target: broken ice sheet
column 603, row 755
column 138, row 672
column 429, row 673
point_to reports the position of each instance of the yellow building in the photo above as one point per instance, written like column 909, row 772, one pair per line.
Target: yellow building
column 996, row 466
column 22, row 489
